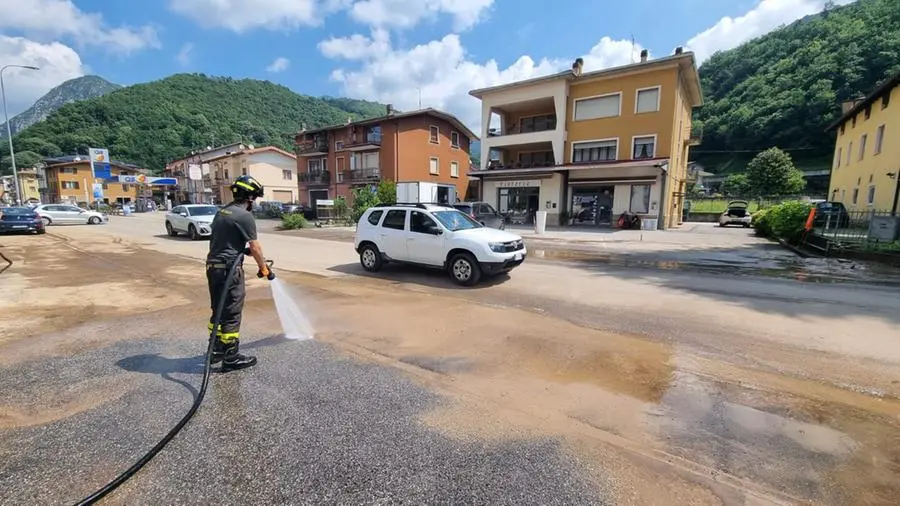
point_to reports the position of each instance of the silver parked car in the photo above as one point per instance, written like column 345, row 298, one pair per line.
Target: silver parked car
column 736, row 214
column 67, row 214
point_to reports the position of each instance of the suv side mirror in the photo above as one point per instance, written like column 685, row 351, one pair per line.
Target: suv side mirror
column 183, row 214
column 435, row 230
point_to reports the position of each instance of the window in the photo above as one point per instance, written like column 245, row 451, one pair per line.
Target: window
column 879, row 139
column 68, row 170
column 125, row 187
column 454, row 139
column 539, row 123
column 849, row 152
column 886, row 100
column 644, row 147
column 862, row 146
column 226, row 173
column 640, row 198
column 454, row 169
column 286, row 174
column 70, row 185
column 598, row 151
column 375, row 217
column 843, row 195
column 837, row 158
column 340, row 164
column 870, row 199
column 606, row 106
column 433, row 167
column 855, row 196
column 419, row 222
column 433, row 134
column 312, row 165
column 338, row 145
column 647, row 100
column 395, row 219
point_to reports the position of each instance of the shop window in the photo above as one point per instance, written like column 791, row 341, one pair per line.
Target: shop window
column 640, row 199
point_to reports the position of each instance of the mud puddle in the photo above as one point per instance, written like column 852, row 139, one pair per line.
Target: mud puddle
column 804, row 270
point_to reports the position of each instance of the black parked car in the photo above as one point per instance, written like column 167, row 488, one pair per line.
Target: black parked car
column 20, row 219
column 483, row 213
column 832, row 214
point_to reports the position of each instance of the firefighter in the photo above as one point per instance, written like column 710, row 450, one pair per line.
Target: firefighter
column 233, row 236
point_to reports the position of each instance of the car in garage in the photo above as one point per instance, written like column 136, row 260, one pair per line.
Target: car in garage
column 737, row 213
column 194, row 220
column 67, row 214
column 19, row 220
column 438, row 237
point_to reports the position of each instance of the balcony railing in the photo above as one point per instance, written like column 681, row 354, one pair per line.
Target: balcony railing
column 312, row 148
column 370, row 174
column 496, row 164
column 695, row 138
column 315, row 177
column 370, row 141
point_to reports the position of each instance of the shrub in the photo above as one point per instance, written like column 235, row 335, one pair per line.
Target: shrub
column 783, row 221
column 293, row 221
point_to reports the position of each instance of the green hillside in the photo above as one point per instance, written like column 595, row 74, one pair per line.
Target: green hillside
column 152, row 123
column 784, row 88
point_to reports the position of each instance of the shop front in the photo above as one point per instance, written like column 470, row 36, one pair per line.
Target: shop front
column 519, row 199
column 597, row 197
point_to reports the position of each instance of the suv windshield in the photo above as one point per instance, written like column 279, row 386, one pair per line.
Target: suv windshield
column 455, row 220
column 203, row 211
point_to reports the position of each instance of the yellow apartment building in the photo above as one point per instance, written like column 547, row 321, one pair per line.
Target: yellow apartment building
column 69, row 180
column 865, row 174
column 589, row 146
column 28, row 185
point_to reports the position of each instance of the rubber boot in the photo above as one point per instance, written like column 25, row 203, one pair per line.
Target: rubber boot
column 218, row 352
column 234, row 360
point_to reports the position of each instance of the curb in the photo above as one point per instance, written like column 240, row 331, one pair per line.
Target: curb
column 797, row 251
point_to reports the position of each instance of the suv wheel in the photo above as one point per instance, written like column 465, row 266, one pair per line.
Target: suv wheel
column 370, row 258
column 169, row 230
column 464, row 269
column 192, row 230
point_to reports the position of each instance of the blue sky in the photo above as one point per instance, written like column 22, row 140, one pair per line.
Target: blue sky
column 386, row 50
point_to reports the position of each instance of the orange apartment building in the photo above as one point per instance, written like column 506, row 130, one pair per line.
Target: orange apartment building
column 422, row 145
column 69, row 180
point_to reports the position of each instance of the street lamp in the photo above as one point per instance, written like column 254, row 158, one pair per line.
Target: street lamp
column 12, row 153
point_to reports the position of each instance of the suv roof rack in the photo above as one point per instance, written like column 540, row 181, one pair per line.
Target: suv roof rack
column 418, row 205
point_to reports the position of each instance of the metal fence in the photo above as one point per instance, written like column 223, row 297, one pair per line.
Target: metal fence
column 841, row 227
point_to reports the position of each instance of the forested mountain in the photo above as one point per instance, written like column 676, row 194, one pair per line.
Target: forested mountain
column 149, row 124
column 73, row 90
column 784, row 88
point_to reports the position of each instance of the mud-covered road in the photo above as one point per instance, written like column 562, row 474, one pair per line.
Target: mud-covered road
column 562, row 384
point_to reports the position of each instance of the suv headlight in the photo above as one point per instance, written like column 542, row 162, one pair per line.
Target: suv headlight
column 497, row 247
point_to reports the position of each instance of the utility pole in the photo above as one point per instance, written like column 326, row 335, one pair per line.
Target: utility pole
column 12, row 151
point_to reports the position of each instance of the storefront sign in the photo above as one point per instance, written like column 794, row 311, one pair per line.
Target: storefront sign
column 522, row 183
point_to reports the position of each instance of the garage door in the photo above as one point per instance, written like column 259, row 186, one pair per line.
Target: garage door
column 282, row 195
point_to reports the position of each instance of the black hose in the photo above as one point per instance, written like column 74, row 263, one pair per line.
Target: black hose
column 109, row 487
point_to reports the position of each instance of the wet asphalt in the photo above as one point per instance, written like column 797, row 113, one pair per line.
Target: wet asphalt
column 308, row 425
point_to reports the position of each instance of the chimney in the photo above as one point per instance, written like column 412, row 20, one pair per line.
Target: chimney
column 390, row 109
column 577, row 67
column 349, row 119
column 302, row 127
column 679, row 50
column 644, row 54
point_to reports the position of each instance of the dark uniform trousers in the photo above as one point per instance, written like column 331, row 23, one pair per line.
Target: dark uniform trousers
column 217, row 279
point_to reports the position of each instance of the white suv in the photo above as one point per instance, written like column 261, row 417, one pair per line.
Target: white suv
column 435, row 236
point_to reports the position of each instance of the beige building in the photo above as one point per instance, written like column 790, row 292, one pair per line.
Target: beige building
column 274, row 168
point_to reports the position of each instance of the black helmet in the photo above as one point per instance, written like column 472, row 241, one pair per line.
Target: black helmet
column 246, row 188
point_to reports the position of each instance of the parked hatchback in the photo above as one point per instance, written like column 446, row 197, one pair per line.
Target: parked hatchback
column 736, row 214
column 67, row 214
column 483, row 213
column 20, row 219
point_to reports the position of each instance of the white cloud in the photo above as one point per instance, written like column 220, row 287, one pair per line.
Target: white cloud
column 244, row 15
column 729, row 32
column 443, row 74
column 408, row 13
column 184, row 55
column 279, row 65
column 46, row 20
column 57, row 63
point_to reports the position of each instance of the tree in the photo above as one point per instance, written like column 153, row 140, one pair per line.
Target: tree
column 772, row 173
column 736, row 185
